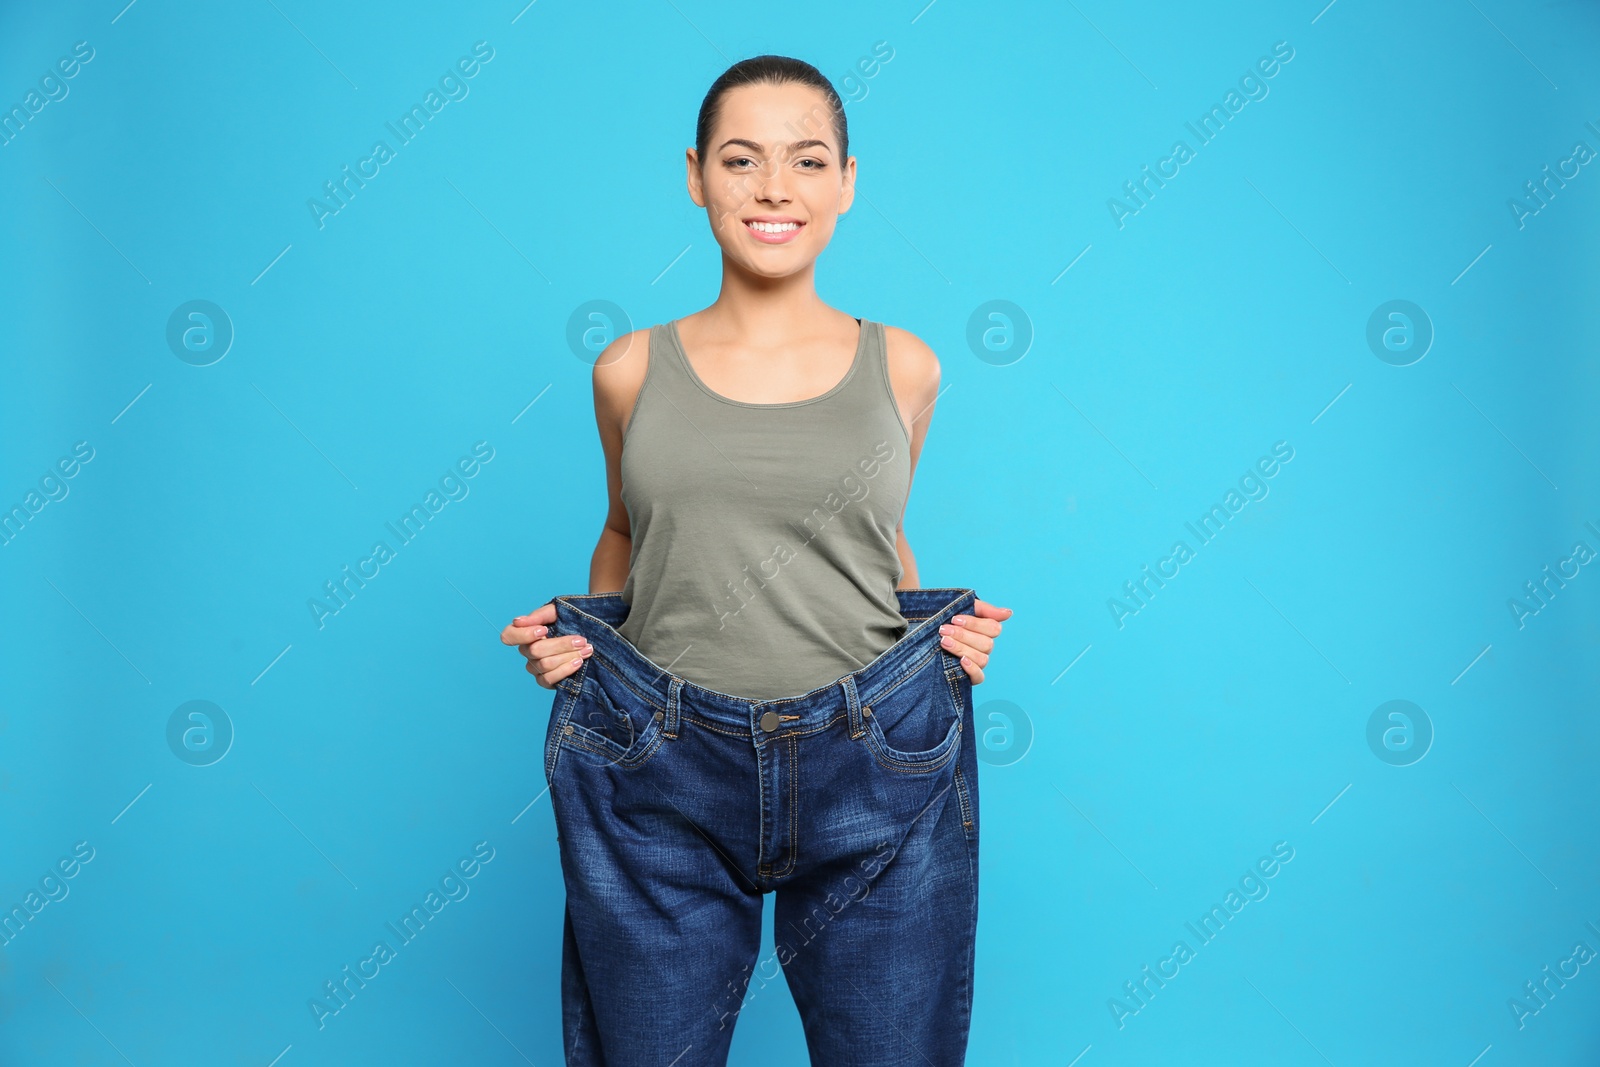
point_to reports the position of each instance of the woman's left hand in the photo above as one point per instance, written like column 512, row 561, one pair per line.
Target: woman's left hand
column 972, row 636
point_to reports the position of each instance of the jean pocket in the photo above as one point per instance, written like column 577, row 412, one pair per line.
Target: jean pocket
column 607, row 719
column 915, row 727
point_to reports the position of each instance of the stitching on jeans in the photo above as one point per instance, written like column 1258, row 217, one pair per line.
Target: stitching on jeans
column 579, row 740
column 958, row 594
column 586, row 738
column 907, row 673
column 644, row 756
column 623, row 679
column 553, row 758
column 845, row 714
column 961, row 795
column 905, row 767
column 950, row 594
column 794, row 804
column 878, row 745
column 952, row 677
column 552, row 746
column 727, row 731
column 763, row 866
column 971, row 946
column 794, row 808
column 684, row 716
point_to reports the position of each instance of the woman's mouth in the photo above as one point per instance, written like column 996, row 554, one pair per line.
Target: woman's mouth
column 773, row 232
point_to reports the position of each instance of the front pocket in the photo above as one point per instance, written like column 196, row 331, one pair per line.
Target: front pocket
column 915, row 727
column 607, row 719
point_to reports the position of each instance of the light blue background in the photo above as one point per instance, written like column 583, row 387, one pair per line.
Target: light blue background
column 1230, row 313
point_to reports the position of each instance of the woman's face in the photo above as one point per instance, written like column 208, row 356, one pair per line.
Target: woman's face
column 772, row 183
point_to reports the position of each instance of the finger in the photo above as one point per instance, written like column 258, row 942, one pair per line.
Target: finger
column 972, row 626
column 543, row 614
column 561, row 659
column 548, row 676
column 550, row 646
column 974, row 671
column 524, row 625
column 521, row 635
column 568, row 667
column 987, row 610
column 965, row 636
column 959, row 647
column 985, row 626
column 533, row 669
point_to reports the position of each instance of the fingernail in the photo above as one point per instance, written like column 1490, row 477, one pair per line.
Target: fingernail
column 541, row 630
column 944, row 629
column 577, row 642
column 586, row 650
column 946, row 642
column 959, row 619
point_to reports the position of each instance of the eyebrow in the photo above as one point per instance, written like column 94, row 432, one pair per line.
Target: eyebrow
column 756, row 146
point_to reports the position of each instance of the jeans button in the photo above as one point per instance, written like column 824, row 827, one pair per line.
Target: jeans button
column 769, row 721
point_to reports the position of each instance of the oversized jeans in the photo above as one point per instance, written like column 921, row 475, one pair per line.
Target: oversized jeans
column 678, row 808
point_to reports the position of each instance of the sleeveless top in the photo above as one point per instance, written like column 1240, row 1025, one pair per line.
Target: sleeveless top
column 764, row 558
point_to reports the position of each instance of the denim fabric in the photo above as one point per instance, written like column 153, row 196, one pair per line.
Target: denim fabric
column 678, row 808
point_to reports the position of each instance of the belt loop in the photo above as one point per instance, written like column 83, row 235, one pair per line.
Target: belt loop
column 554, row 629
column 674, row 688
column 852, row 701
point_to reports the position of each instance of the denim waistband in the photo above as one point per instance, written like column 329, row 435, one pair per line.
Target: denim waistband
column 596, row 616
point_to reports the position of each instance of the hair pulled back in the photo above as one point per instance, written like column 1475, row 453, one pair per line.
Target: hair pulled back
column 770, row 70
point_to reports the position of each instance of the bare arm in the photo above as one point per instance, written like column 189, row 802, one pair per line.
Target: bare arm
column 908, row 564
column 618, row 376
column 914, row 377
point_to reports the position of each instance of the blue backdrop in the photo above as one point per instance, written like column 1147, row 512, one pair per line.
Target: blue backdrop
column 1268, row 336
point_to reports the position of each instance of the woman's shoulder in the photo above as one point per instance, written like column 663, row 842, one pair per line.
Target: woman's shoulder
column 633, row 346
column 911, row 360
column 619, row 374
column 913, row 371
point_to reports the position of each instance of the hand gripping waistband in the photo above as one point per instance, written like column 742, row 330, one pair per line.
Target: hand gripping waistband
column 596, row 616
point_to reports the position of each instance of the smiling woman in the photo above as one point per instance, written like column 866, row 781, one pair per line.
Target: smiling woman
column 696, row 766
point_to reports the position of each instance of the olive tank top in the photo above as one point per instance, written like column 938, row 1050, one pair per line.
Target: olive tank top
column 764, row 562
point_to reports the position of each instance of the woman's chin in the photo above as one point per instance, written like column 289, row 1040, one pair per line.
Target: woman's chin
column 773, row 267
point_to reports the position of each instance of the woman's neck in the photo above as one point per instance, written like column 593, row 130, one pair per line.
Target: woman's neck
column 765, row 310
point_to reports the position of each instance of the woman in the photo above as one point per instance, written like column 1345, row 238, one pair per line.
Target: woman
column 771, row 704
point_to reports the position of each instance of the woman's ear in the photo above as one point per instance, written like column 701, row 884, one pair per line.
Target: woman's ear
column 696, row 187
column 847, row 195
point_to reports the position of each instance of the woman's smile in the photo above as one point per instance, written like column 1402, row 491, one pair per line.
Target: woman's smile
column 773, row 229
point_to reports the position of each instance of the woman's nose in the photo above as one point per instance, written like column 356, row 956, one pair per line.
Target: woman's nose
column 772, row 185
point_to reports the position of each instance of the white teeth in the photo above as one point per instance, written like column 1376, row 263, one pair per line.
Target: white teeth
column 773, row 227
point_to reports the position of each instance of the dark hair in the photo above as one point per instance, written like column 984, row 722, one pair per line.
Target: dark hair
column 768, row 70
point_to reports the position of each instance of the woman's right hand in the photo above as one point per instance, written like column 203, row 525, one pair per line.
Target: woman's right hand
column 549, row 659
